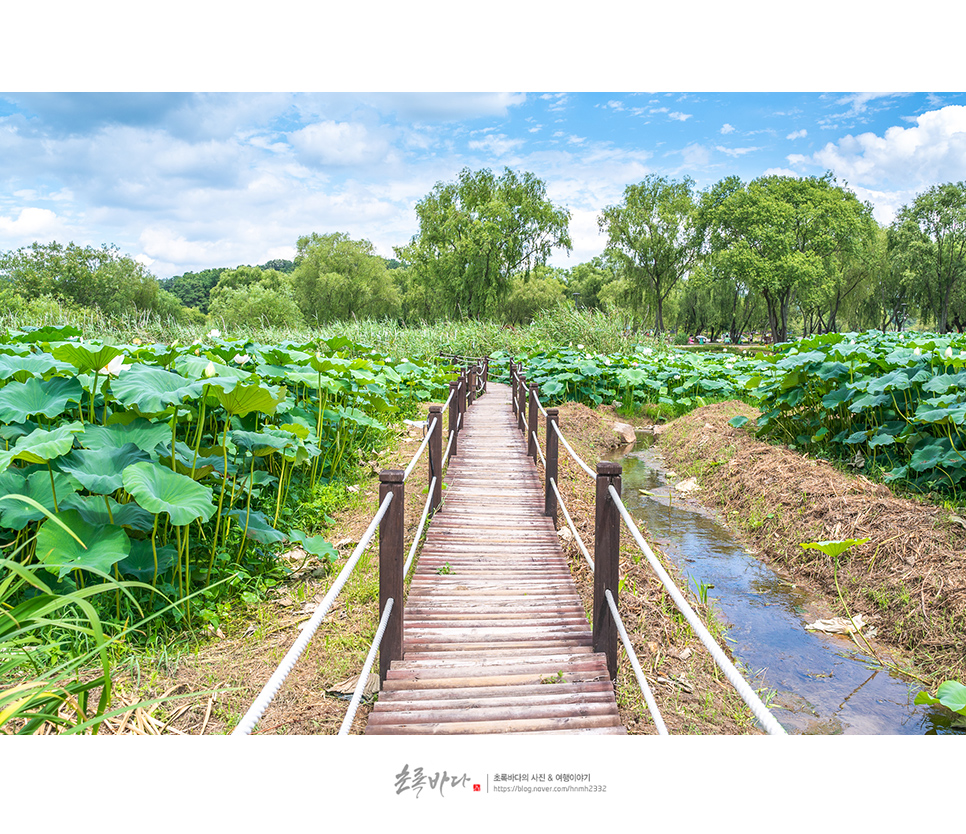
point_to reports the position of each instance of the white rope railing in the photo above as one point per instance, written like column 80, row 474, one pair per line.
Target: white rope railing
column 536, row 444
column 641, row 680
column 573, row 528
column 543, row 411
column 420, row 450
column 449, row 446
column 449, row 399
column 750, row 697
column 364, row 676
column 573, row 454
column 264, row 698
column 419, row 529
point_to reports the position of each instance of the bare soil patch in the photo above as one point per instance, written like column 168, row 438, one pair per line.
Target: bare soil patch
column 909, row 580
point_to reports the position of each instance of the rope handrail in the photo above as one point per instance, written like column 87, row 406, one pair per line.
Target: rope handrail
column 750, row 697
column 449, row 445
column 420, row 450
column 543, row 411
column 573, row 527
column 573, row 454
column 448, row 399
column 536, row 444
column 364, row 675
column 639, row 673
column 264, row 698
column 419, row 529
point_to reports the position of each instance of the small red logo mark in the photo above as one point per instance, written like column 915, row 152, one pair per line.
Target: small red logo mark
column 476, row 787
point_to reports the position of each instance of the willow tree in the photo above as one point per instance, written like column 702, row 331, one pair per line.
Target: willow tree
column 930, row 238
column 654, row 233
column 478, row 232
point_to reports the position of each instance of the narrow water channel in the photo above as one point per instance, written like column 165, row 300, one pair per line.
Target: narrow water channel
column 816, row 683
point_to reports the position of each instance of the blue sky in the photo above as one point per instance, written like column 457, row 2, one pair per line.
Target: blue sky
column 185, row 181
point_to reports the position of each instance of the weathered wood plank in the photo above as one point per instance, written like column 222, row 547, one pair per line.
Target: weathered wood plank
column 496, row 639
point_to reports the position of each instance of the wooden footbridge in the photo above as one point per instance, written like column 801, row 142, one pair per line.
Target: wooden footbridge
column 495, row 638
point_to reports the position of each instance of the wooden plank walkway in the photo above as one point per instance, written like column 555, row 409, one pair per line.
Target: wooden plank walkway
column 498, row 642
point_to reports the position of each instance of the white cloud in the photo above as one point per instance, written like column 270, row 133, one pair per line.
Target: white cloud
column 903, row 157
column 31, row 223
column 735, row 152
column 797, row 134
column 780, row 172
column 338, row 143
column 497, row 144
column 679, row 117
column 726, row 129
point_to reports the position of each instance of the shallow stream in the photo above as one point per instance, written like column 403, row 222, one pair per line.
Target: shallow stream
column 815, row 683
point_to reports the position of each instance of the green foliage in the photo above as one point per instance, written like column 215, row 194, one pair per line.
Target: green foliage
column 654, row 234
column 478, row 232
column 896, row 401
column 159, row 455
column 951, row 694
column 784, row 236
column 83, row 276
column 929, row 241
column 336, row 278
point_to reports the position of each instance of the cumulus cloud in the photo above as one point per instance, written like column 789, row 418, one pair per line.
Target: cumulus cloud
column 934, row 150
column 338, row 143
column 726, row 129
column 797, row 134
column 32, row 223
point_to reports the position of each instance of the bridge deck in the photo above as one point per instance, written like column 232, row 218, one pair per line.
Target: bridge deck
column 495, row 638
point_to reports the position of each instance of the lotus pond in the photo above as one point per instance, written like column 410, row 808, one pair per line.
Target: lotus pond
column 175, row 465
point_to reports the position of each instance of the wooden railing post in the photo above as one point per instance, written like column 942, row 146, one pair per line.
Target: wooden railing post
column 391, row 530
column 436, row 456
column 607, row 542
column 462, row 393
column 471, row 385
column 486, row 372
column 532, row 422
column 454, row 416
column 553, row 446
column 513, row 386
column 521, row 404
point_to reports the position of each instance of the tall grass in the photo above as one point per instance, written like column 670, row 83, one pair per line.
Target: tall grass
column 596, row 331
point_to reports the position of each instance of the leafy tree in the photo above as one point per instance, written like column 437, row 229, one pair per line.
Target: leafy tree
column 279, row 265
column 476, row 233
column 337, row 278
column 194, row 288
column 249, row 296
column 655, row 233
column 930, row 236
column 785, row 235
column 84, row 276
column 528, row 296
column 585, row 281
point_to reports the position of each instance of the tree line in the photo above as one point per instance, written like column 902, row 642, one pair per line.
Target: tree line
column 778, row 255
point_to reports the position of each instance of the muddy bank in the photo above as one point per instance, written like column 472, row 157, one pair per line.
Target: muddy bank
column 909, row 580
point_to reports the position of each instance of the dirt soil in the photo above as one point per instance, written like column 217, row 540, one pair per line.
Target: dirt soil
column 909, row 580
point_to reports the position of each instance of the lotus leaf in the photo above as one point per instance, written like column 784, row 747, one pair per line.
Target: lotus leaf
column 100, row 470
column 159, row 490
column 103, row 545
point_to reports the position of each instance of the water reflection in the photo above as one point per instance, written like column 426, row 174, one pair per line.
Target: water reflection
column 821, row 683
